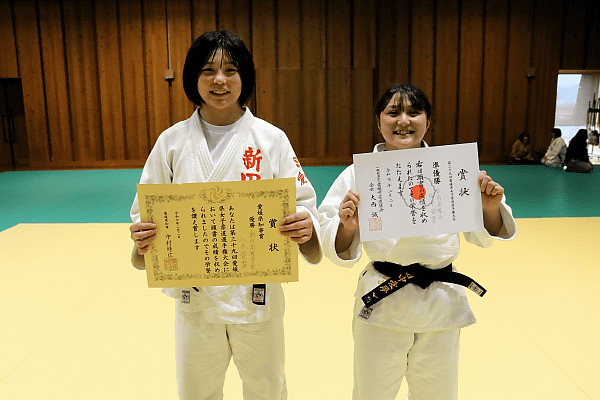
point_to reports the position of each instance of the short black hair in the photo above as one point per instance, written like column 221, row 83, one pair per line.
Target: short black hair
column 204, row 48
column 557, row 132
column 404, row 91
column 522, row 136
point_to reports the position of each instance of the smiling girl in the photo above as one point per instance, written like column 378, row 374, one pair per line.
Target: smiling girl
column 223, row 141
column 413, row 332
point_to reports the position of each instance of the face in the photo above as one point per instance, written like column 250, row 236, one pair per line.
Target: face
column 402, row 126
column 220, row 85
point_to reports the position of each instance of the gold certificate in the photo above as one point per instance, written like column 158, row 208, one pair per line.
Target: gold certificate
column 219, row 233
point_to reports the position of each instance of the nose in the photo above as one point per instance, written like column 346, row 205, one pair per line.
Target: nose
column 219, row 77
column 403, row 119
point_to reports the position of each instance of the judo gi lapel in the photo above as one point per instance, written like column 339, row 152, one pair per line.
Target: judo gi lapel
column 222, row 170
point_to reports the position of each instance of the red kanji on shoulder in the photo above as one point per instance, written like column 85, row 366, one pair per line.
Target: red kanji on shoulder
column 302, row 178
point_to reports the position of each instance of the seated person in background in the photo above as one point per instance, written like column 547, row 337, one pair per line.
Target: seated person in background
column 593, row 138
column 555, row 155
column 577, row 159
column 521, row 151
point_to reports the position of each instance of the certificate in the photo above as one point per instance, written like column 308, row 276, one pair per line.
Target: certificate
column 416, row 192
column 219, row 233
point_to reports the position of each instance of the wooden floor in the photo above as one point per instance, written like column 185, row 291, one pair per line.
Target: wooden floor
column 78, row 322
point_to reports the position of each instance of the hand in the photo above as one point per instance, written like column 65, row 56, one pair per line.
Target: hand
column 491, row 197
column 143, row 234
column 348, row 211
column 297, row 227
column 491, row 192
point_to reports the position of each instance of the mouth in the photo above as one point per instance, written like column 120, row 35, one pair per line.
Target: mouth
column 402, row 132
column 219, row 92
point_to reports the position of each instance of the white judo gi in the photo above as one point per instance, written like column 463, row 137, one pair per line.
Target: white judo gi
column 414, row 331
column 222, row 321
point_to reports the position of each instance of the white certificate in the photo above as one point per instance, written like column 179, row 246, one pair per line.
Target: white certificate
column 416, row 192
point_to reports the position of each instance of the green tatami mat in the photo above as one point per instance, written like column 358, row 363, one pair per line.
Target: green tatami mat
column 80, row 196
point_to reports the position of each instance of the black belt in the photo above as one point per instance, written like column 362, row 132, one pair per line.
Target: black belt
column 400, row 276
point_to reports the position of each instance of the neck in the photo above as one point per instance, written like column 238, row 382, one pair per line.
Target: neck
column 221, row 117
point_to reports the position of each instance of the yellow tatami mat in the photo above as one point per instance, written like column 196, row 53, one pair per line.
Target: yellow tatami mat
column 78, row 322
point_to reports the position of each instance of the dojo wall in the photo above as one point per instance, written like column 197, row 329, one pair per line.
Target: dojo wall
column 95, row 94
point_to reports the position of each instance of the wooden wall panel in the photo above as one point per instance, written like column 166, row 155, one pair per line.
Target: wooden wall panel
column 111, row 83
column 363, row 124
column 288, row 100
column 339, row 79
column 313, row 106
column 95, row 93
column 30, row 71
column 233, row 15
column 84, row 92
column 593, row 37
column 8, row 49
column 204, row 16
column 518, row 62
column 180, row 28
column 55, row 82
column 264, row 27
column 288, row 32
column 547, row 26
column 266, row 100
column 470, row 72
column 155, row 63
column 445, row 117
column 393, row 44
column 422, row 50
column 363, row 79
column 313, row 34
column 137, row 144
column 364, row 31
column 494, row 79
column 573, row 38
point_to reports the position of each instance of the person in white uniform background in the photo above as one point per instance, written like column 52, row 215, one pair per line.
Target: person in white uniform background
column 223, row 141
column 555, row 155
column 413, row 332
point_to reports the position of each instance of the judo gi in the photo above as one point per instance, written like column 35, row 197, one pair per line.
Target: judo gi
column 555, row 155
column 217, row 322
column 401, row 334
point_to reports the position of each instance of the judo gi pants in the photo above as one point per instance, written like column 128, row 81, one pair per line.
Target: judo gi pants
column 382, row 357
column 204, row 349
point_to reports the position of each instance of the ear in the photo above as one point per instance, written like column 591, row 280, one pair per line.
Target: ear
column 428, row 124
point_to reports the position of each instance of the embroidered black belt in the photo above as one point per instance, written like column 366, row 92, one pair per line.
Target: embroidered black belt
column 401, row 275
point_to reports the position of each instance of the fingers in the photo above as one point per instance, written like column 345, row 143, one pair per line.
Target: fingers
column 144, row 250
column 297, row 227
column 141, row 226
column 143, row 234
column 488, row 186
column 349, row 205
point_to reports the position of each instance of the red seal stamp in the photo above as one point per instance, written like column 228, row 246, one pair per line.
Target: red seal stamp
column 418, row 192
column 375, row 224
column 171, row 264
